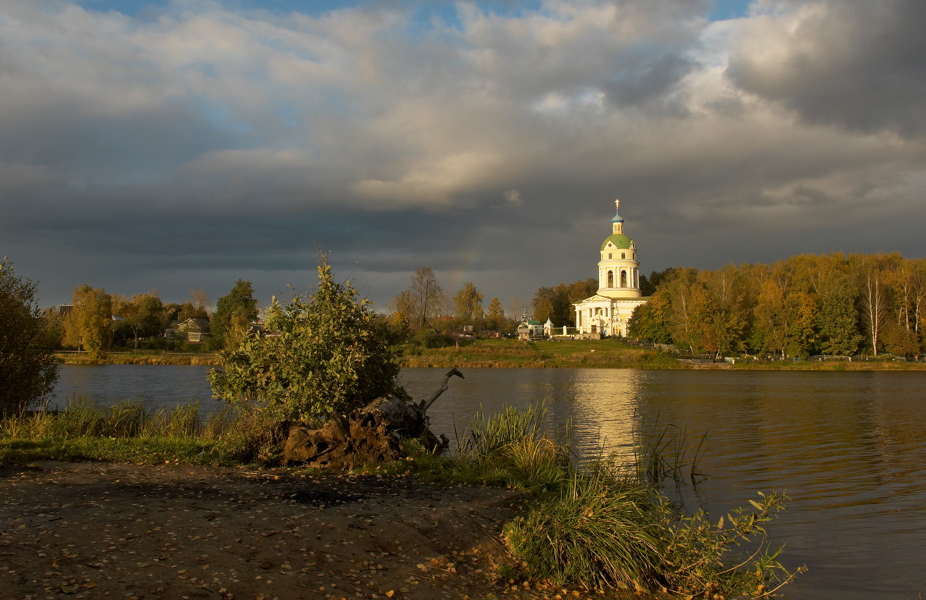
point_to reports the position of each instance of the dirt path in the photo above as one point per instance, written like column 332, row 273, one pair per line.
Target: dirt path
column 101, row 530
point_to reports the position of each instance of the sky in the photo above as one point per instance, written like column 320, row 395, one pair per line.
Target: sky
column 182, row 145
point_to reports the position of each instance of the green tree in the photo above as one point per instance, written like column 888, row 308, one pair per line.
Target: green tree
column 142, row 316
column 651, row 321
column 649, row 285
column 495, row 315
column 468, row 304
column 327, row 355
column 234, row 313
column 555, row 303
column 89, row 325
column 28, row 367
column 837, row 320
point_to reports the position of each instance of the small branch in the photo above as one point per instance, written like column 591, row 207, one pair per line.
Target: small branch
column 426, row 404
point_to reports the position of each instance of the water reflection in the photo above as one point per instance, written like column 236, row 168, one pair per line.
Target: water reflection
column 596, row 405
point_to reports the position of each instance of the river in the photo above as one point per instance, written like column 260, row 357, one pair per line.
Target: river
column 847, row 447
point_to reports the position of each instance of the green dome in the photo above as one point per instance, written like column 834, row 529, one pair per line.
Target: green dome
column 619, row 240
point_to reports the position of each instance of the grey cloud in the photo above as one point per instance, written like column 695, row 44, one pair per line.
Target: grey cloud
column 205, row 146
column 852, row 63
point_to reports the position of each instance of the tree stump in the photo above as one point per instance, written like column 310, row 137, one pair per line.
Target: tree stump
column 367, row 435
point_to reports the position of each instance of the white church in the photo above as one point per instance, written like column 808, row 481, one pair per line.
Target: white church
column 608, row 312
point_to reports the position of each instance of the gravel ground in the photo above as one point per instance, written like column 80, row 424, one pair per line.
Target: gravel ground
column 102, row 530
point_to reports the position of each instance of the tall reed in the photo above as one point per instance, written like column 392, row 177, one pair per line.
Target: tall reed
column 605, row 524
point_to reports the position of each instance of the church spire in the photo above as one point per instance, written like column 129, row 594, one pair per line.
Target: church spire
column 617, row 223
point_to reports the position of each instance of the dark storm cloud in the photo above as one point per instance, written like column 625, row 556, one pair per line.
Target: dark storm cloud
column 205, row 142
column 852, row 63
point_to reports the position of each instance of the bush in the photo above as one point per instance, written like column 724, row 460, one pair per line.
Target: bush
column 431, row 338
column 326, row 354
column 28, row 367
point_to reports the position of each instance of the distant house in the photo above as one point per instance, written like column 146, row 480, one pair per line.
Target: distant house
column 195, row 330
column 529, row 329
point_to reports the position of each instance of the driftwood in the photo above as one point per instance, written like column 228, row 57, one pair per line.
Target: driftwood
column 367, row 435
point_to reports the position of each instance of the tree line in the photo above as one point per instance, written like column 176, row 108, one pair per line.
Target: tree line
column 805, row 305
column 95, row 321
column 425, row 313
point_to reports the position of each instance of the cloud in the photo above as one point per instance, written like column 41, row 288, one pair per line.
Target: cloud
column 201, row 142
column 848, row 63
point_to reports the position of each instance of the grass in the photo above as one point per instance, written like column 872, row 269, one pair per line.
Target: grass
column 559, row 354
column 601, row 525
column 605, row 524
column 125, row 432
column 142, row 358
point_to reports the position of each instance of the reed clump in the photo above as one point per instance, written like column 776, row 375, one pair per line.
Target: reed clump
column 605, row 524
column 129, row 431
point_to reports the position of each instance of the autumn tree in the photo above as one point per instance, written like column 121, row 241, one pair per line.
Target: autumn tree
column 802, row 333
column 144, row 315
column 874, row 273
column 771, row 318
column 908, row 288
column 468, row 304
column 688, row 308
column 726, row 310
column 89, row 324
column 427, row 294
column 495, row 315
column 234, row 314
column 28, row 367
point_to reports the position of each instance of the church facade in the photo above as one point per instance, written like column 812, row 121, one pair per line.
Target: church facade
column 607, row 313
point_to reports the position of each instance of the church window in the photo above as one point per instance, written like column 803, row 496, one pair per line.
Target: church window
column 610, row 279
column 609, row 256
column 623, row 279
column 623, row 255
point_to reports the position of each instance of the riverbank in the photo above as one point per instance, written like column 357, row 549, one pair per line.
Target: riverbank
column 615, row 354
column 566, row 354
column 95, row 530
column 135, row 358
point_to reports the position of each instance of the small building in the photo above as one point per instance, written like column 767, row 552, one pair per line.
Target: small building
column 196, row 330
column 529, row 329
column 607, row 313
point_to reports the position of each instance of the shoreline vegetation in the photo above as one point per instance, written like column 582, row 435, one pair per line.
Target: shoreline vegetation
column 608, row 530
column 566, row 354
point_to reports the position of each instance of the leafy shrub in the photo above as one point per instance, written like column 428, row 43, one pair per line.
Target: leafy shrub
column 431, row 338
column 325, row 354
column 28, row 367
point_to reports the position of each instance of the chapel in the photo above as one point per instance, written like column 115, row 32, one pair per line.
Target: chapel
column 608, row 312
